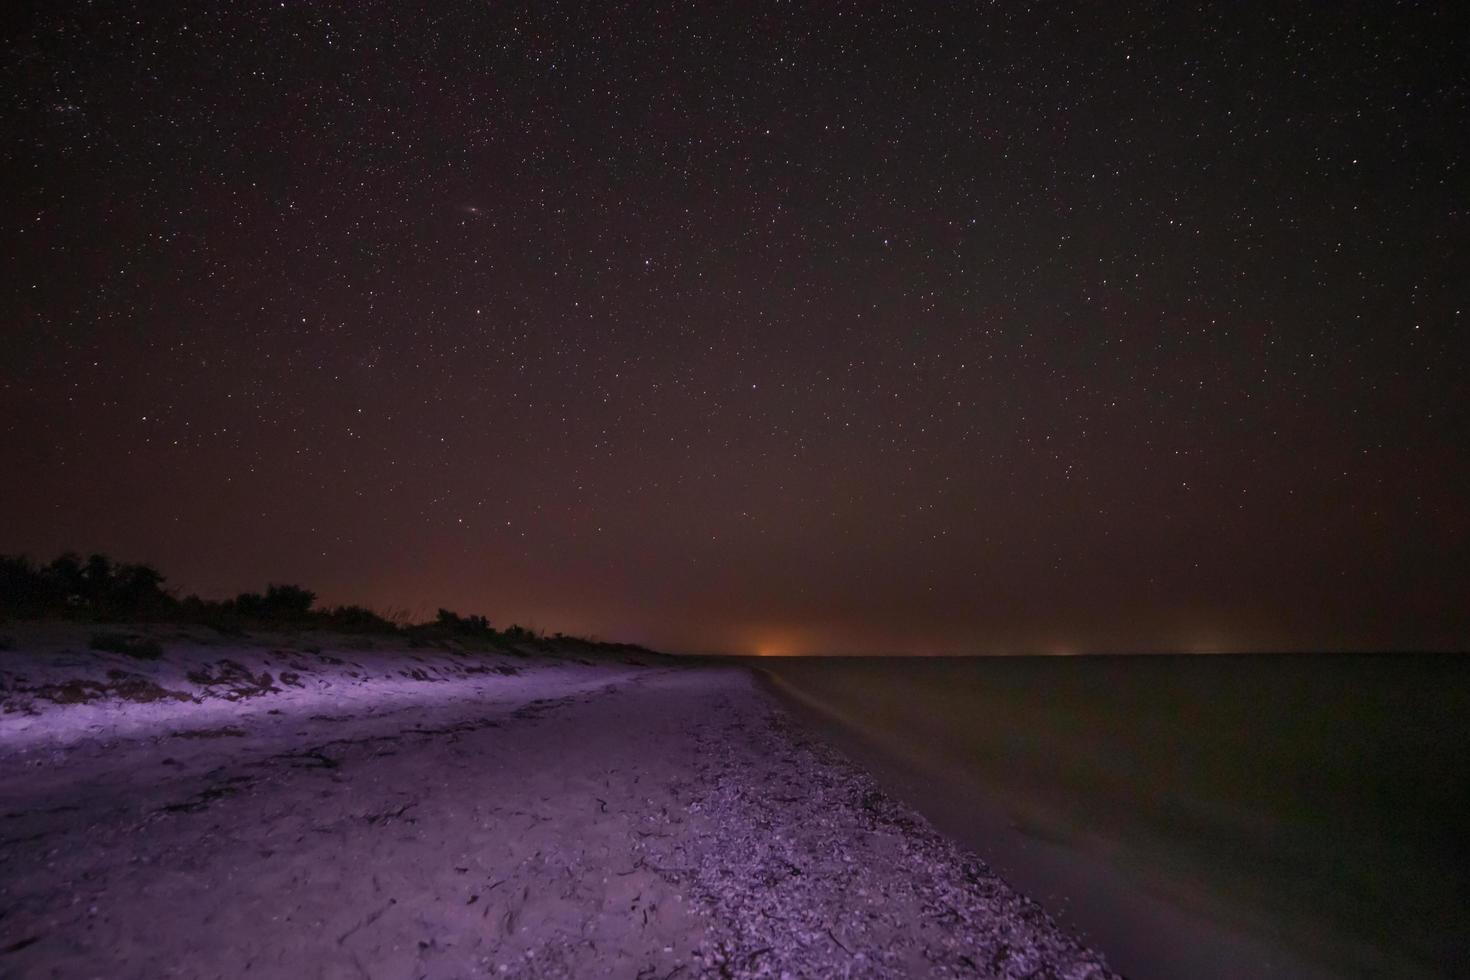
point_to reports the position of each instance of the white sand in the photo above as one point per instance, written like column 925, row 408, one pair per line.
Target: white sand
column 569, row 820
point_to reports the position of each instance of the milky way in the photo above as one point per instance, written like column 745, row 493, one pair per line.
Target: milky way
column 768, row 327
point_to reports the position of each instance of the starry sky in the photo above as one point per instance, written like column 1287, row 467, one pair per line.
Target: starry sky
column 754, row 327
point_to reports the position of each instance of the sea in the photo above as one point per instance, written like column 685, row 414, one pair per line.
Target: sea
column 1240, row 816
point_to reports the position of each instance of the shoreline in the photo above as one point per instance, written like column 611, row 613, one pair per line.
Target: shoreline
column 573, row 819
column 1147, row 934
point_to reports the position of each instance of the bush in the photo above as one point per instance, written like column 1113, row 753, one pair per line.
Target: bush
column 24, row 591
column 132, row 589
column 104, row 591
column 94, row 589
column 130, row 644
column 453, row 622
column 356, row 619
column 281, row 603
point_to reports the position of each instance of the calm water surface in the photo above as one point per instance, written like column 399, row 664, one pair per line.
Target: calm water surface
column 1270, row 816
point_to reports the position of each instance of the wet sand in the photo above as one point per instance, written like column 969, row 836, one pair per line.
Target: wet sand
column 565, row 820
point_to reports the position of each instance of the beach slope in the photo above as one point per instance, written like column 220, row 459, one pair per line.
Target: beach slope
column 556, row 820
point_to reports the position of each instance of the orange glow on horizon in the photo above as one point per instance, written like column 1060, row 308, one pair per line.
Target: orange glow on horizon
column 777, row 644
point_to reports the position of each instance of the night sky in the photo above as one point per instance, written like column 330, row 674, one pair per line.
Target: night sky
column 752, row 327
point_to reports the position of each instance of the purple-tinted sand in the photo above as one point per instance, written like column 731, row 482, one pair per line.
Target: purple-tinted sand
column 285, row 812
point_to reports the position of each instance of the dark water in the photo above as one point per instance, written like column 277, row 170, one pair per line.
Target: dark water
column 1229, row 815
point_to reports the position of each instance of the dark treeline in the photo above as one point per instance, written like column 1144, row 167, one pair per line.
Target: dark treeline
column 99, row 589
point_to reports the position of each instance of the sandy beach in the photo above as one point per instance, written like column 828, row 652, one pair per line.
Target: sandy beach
column 285, row 810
